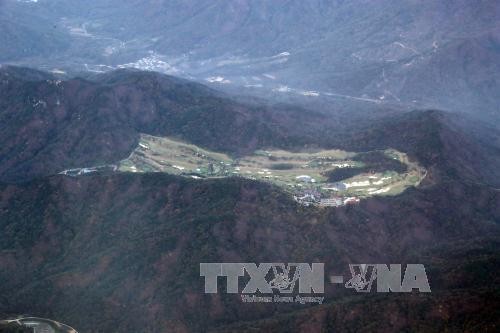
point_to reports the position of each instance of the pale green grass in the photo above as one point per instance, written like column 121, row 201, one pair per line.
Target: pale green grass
column 159, row 154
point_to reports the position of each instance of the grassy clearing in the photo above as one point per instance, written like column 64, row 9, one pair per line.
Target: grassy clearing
column 293, row 171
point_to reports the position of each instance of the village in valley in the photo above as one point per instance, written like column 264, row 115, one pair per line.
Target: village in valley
column 305, row 175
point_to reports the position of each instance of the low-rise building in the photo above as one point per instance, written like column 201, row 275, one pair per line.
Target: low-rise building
column 331, row 202
column 305, row 179
column 334, row 186
column 351, row 200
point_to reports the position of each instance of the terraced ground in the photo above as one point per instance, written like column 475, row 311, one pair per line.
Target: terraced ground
column 296, row 172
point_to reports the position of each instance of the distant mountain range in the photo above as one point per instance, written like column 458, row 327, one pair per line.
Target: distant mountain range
column 440, row 55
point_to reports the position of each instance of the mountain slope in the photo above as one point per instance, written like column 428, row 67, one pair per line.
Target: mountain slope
column 85, row 250
column 413, row 53
column 48, row 125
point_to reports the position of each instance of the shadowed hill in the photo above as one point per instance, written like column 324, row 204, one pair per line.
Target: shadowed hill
column 84, row 250
column 88, row 249
column 48, row 125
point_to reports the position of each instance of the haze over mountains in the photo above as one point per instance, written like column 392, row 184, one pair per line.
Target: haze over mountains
column 118, row 251
column 410, row 53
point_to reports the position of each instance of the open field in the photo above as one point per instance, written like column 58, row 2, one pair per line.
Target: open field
column 303, row 174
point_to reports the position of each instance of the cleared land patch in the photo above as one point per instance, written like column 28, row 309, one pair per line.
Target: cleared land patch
column 305, row 174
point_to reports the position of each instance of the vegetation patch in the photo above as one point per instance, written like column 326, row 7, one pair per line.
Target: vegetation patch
column 322, row 177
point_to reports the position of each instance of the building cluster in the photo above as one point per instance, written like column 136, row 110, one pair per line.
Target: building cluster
column 314, row 197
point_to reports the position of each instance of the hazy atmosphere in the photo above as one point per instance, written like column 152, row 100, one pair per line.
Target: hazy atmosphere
column 249, row 166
